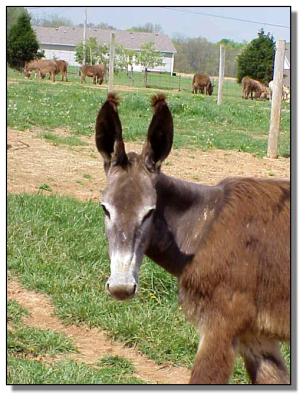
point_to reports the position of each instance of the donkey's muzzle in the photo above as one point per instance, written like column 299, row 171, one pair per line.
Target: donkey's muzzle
column 121, row 290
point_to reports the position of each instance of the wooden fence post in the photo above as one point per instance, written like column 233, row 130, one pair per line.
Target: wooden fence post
column 221, row 74
column 84, row 36
column 111, row 62
column 276, row 103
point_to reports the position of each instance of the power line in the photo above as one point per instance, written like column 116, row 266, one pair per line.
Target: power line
column 224, row 17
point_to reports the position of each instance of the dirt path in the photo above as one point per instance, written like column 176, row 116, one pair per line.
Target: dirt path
column 92, row 344
column 78, row 171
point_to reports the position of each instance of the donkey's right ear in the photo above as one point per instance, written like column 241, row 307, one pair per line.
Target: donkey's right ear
column 109, row 140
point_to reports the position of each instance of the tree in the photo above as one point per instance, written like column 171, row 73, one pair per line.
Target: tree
column 199, row 55
column 100, row 25
column 124, row 58
column 148, row 27
column 256, row 60
column 13, row 13
column 148, row 57
column 52, row 21
column 22, row 44
column 95, row 53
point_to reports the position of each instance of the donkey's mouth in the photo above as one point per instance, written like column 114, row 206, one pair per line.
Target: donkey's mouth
column 121, row 291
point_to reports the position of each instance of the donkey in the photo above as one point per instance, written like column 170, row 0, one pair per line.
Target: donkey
column 202, row 82
column 228, row 245
column 95, row 71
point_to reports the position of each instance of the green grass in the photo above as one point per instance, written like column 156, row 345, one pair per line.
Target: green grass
column 63, row 140
column 237, row 124
column 57, row 246
column 26, row 343
column 15, row 312
column 23, row 371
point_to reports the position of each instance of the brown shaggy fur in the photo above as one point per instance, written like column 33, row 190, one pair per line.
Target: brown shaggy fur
column 202, row 83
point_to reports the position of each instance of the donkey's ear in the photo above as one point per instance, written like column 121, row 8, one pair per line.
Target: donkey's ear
column 109, row 140
column 160, row 134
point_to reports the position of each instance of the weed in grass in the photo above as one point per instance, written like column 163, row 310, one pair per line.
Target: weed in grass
column 59, row 140
column 117, row 362
column 45, row 187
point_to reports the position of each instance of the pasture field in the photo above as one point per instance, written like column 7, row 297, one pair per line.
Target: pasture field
column 57, row 246
column 238, row 124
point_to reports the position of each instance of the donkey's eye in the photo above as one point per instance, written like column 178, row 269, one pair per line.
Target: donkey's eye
column 148, row 214
column 106, row 212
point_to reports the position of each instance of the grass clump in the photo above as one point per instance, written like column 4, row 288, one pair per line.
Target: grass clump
column 22, row 371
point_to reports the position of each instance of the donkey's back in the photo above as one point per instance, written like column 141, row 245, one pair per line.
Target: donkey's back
column 237, row 287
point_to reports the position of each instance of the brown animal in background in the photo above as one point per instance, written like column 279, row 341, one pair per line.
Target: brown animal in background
column 47, row 67
column 62, row 67
column 228, row 245
column 202, row 83
column 29, row 67
column 251, row 86
column 94, row 71
column 42, row 67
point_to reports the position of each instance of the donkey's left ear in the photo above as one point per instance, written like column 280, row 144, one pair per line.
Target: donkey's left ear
column 160, row 134
column 109, row 139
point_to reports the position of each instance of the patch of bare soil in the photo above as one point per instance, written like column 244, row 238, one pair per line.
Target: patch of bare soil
column 92, row 344
column 78, row 171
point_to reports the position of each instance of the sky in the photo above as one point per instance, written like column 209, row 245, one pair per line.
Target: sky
column 185, row 21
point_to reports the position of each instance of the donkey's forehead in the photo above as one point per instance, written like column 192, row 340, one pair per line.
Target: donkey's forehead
column 131, row 185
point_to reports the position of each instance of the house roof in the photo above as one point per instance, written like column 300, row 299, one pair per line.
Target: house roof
column 72, row 36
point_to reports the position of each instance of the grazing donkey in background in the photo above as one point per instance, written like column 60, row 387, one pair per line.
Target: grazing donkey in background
column 228, row 245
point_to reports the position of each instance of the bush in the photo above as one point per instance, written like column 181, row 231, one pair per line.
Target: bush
column 22, row 44
column 256, row 60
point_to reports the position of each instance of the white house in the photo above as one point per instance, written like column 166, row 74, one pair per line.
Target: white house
column 60, row 43
column 287, row 65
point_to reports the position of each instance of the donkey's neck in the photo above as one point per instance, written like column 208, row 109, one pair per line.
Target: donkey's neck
column 184, row 213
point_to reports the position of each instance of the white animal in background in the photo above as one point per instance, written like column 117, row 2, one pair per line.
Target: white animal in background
column 285, row 92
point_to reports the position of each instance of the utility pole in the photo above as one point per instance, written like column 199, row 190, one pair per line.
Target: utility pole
column 276, row 103
column 221, row 74
column 111, row 62
column 84, row 36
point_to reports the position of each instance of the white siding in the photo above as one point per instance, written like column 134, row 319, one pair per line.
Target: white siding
column 167, row 67
column 69, row 56
column 66, row 55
